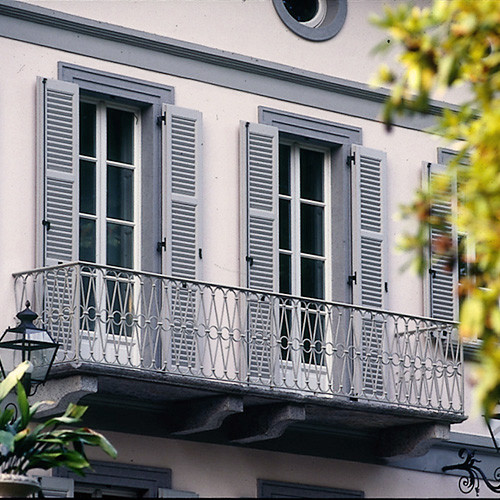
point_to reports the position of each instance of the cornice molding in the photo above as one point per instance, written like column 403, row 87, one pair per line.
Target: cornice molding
column 29, row 23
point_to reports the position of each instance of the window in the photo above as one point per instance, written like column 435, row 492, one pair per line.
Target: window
column 315, row 20
column 133, row 107
column 109, row 184
column 304, row 244
column 128, row 196
column 278, row 489
column 309, row 13
column 442, row 280
column 313, row 227
column 304, row 216
column 115, row 480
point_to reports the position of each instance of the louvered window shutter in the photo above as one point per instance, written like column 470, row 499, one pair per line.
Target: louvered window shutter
column 182, row 158
column 259, row 234
column 441, row 281
column 369, row 259
column 58, row 205
column 181, row 189
column 58, row 172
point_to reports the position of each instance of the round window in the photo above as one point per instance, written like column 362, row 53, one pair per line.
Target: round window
column 315, row 20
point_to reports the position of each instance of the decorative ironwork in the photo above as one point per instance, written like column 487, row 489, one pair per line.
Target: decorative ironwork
column 475, row 474
column 146, row 321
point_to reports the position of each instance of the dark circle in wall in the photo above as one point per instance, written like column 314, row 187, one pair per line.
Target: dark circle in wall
column 315, row 20
column 302, row 10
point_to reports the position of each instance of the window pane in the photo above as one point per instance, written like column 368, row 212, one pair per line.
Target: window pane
column 87, row 303
column 119, row 245
column 285, row 273
column 120, row 136
column 313, row 326
column 87, row 240
column 311, row 175
column 120, row 195
column 285, row 224
column 87, row 129
column 311, row 229
column 312, row 278
column 120, row 299
column 87, row 187
column 284, row 169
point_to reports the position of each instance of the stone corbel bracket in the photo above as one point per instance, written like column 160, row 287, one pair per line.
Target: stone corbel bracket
column 58, row 393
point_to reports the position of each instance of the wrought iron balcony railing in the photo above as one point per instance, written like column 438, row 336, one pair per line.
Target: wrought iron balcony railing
column 119, row 317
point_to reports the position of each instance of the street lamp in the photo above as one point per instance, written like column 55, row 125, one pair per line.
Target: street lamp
column 474, row 473
column 28, row 342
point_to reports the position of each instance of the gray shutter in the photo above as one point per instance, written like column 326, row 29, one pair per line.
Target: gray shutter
column 259, row 226
column 182, row 184
column 58, row 171
column 369, row 259
column 182, row 158
column 57, row 204
column 441, row 282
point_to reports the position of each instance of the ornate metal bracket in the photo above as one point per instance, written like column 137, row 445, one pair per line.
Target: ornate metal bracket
column 468, row 483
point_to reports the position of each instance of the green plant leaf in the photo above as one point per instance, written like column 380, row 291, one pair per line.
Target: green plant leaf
column 7, row 440
column 23, row 405
column 11, row 380
column 6, row 416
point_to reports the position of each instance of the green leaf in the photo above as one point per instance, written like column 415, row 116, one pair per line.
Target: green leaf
column 7, row 440
column 11, row 380
column 23, row 405
column 6, row 416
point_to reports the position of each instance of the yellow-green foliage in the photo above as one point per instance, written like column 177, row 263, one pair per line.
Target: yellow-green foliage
column 456, row 43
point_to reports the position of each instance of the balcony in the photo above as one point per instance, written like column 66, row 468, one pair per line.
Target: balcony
column 154, row 340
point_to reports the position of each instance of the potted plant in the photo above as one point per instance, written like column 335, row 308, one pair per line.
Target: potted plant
column 24, row 447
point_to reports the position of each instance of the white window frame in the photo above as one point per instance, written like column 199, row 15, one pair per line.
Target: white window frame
column 295, row 204
column 101, row 218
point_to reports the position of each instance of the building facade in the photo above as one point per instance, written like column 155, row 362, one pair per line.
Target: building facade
column 198, row 198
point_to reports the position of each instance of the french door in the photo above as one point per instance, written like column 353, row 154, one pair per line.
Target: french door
column 109, row 232
column 304, row 263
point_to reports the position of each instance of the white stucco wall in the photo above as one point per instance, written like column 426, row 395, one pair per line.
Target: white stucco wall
column 249, row 27
column 252, row 28
column 232, row 472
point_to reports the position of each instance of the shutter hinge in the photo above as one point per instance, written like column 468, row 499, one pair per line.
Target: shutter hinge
column 249, row 260
column 161, row 119
column 432, row 272
column 386, row 287
column 200, row 253
column 161, row 245
column 46, row 223
column 352, row 279
column 349, row 160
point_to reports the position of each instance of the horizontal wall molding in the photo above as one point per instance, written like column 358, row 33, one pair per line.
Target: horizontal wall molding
column 49, row 28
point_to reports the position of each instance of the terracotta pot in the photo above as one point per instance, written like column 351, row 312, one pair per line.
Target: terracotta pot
column 16, row 485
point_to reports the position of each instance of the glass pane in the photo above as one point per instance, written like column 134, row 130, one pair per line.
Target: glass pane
column 313, row 326
column 284, row 169
column 311, row 229
column 120, row 195
column 285, row 222
column 87, row 303
column 311, row 175
column 285, row 331
column 312, row 278
column 87, row 187
column 285, row 273
column 87, row 129
column 120, row 313
column 119, row 245
column 120, row 136
column 87, row 240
